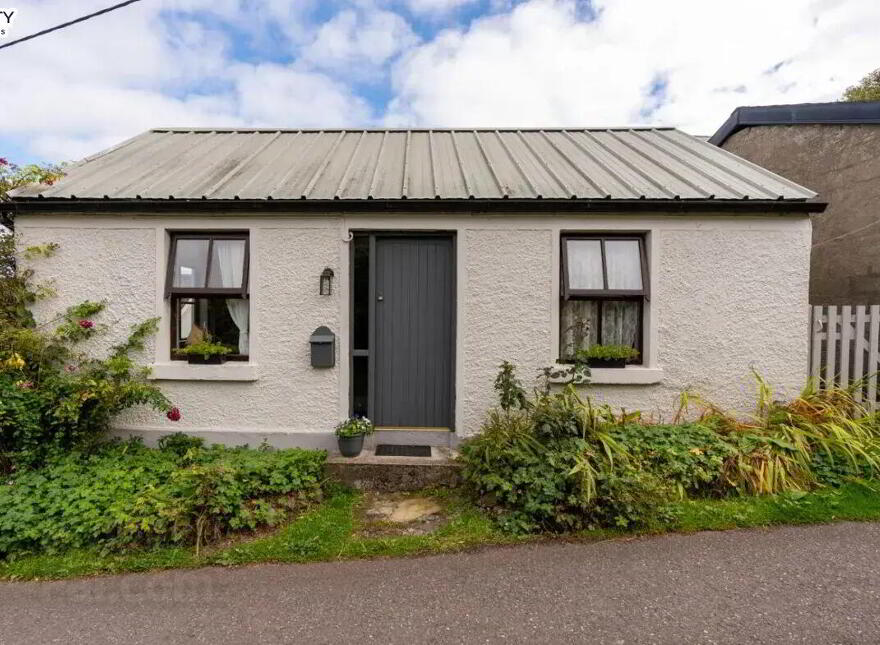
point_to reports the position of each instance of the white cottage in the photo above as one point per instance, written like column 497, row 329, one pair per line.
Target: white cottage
column 419, row 260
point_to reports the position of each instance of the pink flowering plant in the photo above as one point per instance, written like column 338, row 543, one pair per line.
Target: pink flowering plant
column 54, row 396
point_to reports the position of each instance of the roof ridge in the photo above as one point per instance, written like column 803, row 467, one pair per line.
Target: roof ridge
column 250, row 130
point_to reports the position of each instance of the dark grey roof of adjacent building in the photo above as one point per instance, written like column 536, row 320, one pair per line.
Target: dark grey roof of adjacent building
column 445, row 165
column 844, row 112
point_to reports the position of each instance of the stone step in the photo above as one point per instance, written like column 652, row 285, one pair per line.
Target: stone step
column 388, row 474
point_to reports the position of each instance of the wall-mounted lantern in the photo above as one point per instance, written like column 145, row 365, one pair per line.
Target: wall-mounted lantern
column 326, row 287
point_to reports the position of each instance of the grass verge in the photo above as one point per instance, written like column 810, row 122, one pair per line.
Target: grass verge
column 330, row 532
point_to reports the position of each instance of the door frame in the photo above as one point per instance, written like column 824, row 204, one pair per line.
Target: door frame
column 372, row 234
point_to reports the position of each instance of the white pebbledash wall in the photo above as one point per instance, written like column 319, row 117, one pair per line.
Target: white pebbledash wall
column 728, row 295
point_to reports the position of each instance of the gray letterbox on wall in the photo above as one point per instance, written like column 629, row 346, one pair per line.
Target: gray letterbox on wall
column 323, row 343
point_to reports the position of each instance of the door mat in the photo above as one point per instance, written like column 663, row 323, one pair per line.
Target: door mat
column 388, row 450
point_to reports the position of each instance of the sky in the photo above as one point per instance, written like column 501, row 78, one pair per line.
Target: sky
column 440, row 63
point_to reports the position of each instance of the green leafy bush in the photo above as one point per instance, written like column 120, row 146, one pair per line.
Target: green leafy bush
column 560, row 462
column 557, row 484
column 555, row 466
column 511, row 394
column 126, row 494
column 52, row 397
column 690, row 456
column 782, row 445
column 180, row 443
column 630, row 497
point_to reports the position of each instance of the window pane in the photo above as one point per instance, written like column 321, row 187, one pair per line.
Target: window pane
column 227, row 264
column 580, row 326
column 360, row 385
column 620, row 322
column 190, row 263
column 585, row 264
column 624, row 264
column 184, row 320
column 223, row 320
column 361, row 295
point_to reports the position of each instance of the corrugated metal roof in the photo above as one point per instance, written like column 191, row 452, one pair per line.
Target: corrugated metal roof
column 631, row 163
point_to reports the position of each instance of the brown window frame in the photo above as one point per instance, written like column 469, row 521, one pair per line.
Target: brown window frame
column 601, row 295
column 176, row 294
column 202, row 292
column 608, row 294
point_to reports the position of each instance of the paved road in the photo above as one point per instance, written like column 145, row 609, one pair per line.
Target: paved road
column 793, row 585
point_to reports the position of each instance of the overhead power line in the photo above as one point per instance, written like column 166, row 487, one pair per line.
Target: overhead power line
column 68, row 24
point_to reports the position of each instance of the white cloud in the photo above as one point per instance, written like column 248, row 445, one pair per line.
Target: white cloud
column 82, row 89
column 275, row 95
column 544, row 64
column 538, row 62
column 359, row 42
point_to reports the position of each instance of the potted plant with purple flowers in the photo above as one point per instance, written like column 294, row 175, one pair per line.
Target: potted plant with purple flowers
column 350, row 435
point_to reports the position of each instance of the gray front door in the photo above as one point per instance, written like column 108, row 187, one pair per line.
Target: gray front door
column 414, row 331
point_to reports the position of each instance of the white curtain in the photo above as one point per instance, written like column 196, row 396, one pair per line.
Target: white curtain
column 585, row 264
column 230, row 257
column 624, row 264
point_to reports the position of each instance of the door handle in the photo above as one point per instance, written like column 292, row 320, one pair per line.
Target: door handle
column 380, row 298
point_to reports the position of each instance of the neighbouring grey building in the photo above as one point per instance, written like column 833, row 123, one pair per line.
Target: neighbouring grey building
column 834, row 148
column 390, row 272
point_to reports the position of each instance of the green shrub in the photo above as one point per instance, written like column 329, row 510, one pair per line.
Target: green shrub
column 560, row 462
column 631, row 497
column 566, row 414
column 125, row 494
column 779, row 447
column 558, row 484
column 835, row 469
column 180, row 443
column 690, row 456
column 554, row 466
column 511, row 394
column 52, row 397
column 514, row 471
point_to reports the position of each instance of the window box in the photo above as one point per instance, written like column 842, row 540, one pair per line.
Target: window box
column 610, row 363
column 209, row 360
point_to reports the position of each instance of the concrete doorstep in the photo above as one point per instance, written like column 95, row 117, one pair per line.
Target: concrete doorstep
column 389, row 474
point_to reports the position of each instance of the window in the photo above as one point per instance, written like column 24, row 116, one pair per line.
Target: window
column 604, row 287
column 207, row 284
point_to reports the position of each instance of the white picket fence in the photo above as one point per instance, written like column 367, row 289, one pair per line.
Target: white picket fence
column 844, row 344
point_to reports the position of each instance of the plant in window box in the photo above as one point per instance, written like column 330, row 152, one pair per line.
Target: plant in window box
column 607, row 355
column 205, row 353
column 350, row 435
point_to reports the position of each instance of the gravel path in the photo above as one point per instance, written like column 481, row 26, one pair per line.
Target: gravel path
column 812, row 585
